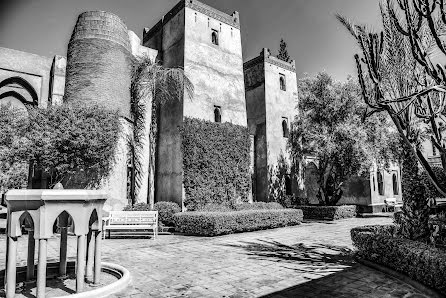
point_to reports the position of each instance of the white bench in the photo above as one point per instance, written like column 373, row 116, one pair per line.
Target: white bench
column 131, row 220
column 391, row 203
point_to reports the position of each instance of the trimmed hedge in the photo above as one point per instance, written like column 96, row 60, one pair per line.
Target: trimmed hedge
column 328, row 212
column 220, row 223
column 418, row 260
column 216, row 163
column 240, row 207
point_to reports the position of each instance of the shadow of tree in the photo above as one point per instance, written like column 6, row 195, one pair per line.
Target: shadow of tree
column 305, row 258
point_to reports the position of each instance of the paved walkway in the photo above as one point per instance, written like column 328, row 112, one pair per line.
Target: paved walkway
column 310, row 260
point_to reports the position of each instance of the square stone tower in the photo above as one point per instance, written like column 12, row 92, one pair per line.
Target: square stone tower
column 271, row 103
column 207, row 44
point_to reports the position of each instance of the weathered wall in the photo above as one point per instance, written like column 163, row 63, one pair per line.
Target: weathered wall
column 215, row 70
column 279, row 103
column 34, row 69
column 183, row 39
column 99, row 70
column 266, row 106
column 376, row 198
column 57, row 82
column 168, row 38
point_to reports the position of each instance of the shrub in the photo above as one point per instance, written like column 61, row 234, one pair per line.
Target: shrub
column 418, row 260
column 328, row 212
column 216, row 163
column 138, row 207
column 431, row 190
column 219, row 223
column 166, row 211
column 258, row 206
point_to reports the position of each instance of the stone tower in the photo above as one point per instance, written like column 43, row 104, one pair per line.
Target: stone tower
column 271, row 103
column 207, row 44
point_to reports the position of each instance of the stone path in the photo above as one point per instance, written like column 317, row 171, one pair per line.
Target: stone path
column 310, row 260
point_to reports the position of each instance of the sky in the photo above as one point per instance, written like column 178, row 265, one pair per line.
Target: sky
column 314, row 37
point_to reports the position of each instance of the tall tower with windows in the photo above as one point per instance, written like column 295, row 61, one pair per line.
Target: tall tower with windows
column 271, row 103
column 207, row 44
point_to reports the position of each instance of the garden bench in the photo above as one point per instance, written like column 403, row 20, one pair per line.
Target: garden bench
column 131, row 220
column 392, row 204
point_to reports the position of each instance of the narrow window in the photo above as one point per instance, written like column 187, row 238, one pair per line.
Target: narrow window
column 231, row 32
column 215, row 37
column 380, row 183
column 220, row 27
column 395, row 184
column 288, row 189
column 195, row 17
column 374, row 187
column 282, row 82
column 209, row 22
column 285, row 131
column 217, row 114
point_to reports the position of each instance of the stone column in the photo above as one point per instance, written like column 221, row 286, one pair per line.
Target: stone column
column 41, row 269
column 97, row 257
column 11, row 267
column 80, row 264
column 90, row 256
column 30, row 259
column 63, row 251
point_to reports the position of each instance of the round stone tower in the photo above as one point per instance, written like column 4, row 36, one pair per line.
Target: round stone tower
column 99, row 61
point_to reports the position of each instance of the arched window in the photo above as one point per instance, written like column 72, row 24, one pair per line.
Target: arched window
column 282, row 82
column 288, row 189
column 215, row 38
column 395, row 184
column 217, row 114
column 285, row 131
column 380, row 183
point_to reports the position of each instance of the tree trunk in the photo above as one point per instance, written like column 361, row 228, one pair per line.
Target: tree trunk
column 415, row 212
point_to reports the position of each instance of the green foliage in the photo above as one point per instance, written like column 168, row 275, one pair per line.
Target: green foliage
column 166, row 210
column 238, row 207
column 431, row 191
column 276, row 180
column 13, row 148
column 328, row 212
column 437, row 230
column 220, row 223
column 74, row 143
column 283, row 52
column 330, row 128
column 216, row 163
column 419, row 261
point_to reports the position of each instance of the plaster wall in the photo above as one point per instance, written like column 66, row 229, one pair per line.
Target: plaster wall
column 376, row 198
column 279, row 104
column 216, row 71
column 168, row 39
column 32, row 68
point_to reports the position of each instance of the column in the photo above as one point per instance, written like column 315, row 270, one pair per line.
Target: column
column 97, row 257
column 80, row 264
column 11, row 267
column 63, row 251
column 30, row 259
column 90, row 256
column 41, row 269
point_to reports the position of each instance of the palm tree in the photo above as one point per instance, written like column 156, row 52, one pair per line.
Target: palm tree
column 152, row 86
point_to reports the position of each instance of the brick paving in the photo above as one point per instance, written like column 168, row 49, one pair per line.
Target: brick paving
column 310, row 260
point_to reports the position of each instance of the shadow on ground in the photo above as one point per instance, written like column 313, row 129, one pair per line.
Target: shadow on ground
column 305, row 258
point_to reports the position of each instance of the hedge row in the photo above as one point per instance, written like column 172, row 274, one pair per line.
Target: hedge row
column 419, row 261
column 239, row 207
column 328, row 212
column 220, row 223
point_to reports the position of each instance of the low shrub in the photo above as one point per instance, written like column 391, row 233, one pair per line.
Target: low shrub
column 166, row 210
column 258, row 206
column 328, row 212
column 220, row 223
column 418, row 260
